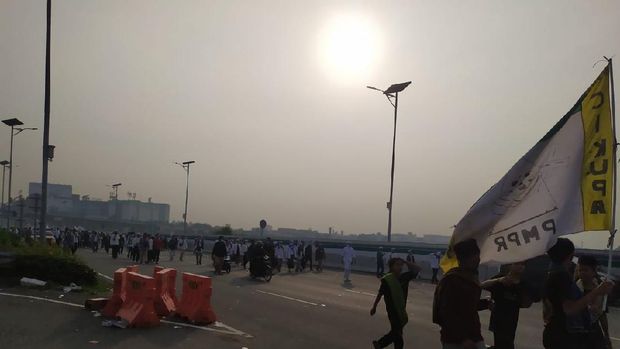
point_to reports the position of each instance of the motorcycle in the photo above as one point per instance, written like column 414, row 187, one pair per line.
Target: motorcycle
column 261, row 268
column 226, row 265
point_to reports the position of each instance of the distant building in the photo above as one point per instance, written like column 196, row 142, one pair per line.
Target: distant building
column 62, row 202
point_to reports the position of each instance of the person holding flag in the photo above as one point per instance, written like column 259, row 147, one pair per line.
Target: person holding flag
column 568, row 322
column 394, row 289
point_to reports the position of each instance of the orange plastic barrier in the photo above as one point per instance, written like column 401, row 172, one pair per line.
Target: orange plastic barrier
column 195, row 304
column 157, row 269
column 133, row 268
column 118, row 294
column 139, row 309
column 165, row 291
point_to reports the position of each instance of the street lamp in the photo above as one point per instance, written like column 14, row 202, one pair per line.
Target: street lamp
column 115, row 188
column 4, row 164
column 392, row 94
column 185, row 166
column 13, row 122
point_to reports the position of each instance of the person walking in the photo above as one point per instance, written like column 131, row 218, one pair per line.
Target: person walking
column 308, row 256
column 587, row 281
column 198, row 249
column 243, row 250
column 509, row 293
column 289, row 254
column 434, row 262
column 319, row 254
column 279, row 256
column 121, row 243
column 380, row 262
column 135, row 248
column 144, row 247
column 114, row 244
column 457, row 301
column 348, row 259
column 172, row 247
column 568, row 324
column 394, row 290
column 218, row 254
column 182, row 247
column 151, row 249
column 158, row 245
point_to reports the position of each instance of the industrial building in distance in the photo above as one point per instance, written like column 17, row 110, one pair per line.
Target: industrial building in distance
column 65, row 208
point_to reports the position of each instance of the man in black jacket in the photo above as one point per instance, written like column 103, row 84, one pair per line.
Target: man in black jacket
column 218, row 254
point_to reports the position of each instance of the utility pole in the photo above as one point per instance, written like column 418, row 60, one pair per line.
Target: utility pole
column 185, row 165
column 46, row 126
column 392, row 93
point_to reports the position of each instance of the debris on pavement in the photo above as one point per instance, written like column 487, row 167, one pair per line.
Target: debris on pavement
column 72, row 287
column 114, row 323
column 32, row 282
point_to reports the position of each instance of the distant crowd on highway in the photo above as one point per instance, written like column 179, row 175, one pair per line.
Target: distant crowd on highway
column 574, row 315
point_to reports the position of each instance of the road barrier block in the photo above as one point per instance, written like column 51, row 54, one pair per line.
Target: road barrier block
column 139, row 309
column 165, row 291
column 195, row 304
column 118, row 293
column 133, row 268
column 96, row 304
column 157, row 269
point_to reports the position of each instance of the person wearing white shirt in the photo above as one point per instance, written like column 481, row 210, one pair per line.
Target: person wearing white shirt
column 244, row 252
column 290, row 253
column 182, row 248
column 348, row 258
column 435, row 257
column 114, row 244
column 279, row 254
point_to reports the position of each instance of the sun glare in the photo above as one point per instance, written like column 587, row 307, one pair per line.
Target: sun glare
column 349, row 46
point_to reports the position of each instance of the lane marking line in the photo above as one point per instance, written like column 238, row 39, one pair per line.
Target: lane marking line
column 42, row 299
column 216, row 327
column 287, row 297
column 105, row 276
column 360, row 292
column 614, row 339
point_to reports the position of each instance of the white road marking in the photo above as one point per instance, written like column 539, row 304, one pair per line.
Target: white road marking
column 615, row 339
column 287, row 297
column 42, row 299
column 105, row 276
column 216, row 327
column 212, row 328
column 364, row 293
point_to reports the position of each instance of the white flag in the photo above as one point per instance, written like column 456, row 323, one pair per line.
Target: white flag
column 563, row 185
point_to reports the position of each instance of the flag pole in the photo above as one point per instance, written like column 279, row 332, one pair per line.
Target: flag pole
column 612, row 229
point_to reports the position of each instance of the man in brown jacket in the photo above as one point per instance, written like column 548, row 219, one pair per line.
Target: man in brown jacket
column 457, row 301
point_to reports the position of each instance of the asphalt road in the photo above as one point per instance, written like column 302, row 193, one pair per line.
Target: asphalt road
column 308, row 310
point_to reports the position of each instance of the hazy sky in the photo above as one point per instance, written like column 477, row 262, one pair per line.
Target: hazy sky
column 269, row 98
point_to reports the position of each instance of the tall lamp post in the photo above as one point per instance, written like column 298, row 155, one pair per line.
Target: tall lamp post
column 392, row 96
column 5, row 164
column 115, row 188
column 12, row 123
column 185, row 166
column 48, row 150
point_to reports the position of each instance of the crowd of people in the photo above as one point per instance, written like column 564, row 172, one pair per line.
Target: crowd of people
column 296, row 255
column 573, row 313
column 574, row 316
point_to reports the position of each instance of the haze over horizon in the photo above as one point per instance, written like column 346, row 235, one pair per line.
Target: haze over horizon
column 269, row 98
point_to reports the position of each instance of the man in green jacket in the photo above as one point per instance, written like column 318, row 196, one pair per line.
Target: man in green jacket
column 394, row 289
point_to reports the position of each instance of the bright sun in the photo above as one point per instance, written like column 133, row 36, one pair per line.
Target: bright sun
column 349, row 46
